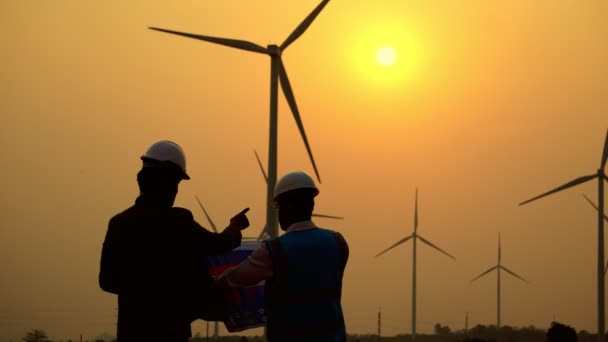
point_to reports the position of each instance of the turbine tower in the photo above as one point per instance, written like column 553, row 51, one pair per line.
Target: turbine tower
column 278, row 74
column 499, row 267
column 414, row 236
column 601, row 177
column 264, row 230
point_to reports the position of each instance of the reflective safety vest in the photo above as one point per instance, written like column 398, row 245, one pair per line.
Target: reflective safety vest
column 303, row 296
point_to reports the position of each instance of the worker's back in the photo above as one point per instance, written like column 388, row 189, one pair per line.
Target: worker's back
column 303, row 296
column 152, row 255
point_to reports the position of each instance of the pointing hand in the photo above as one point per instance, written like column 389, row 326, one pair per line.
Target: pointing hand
column 240, row 221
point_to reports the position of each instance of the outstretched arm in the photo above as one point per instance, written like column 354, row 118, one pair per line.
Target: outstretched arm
column 208, row 243
column 254, row 269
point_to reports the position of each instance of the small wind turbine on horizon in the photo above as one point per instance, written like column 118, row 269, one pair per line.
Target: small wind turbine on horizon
column 498, row 268
column 278, row 74
column 601, row 177
column 414, row 236
column 595, row 206
column 257, row 157
column 605, row 219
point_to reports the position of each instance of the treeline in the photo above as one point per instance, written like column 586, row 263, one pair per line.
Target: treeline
column 478, row 333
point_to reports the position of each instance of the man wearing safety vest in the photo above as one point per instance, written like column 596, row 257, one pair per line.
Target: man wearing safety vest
column 152, row 256
column 303, row 269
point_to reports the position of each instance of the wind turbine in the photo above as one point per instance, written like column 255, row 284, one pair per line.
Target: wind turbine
column 498, row 268
column 414, row 236
column 257, row 157
column 601, row 177
column 595, row 206
column 278, row 74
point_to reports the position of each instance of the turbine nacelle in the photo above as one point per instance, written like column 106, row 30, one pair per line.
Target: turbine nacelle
column 274, row 50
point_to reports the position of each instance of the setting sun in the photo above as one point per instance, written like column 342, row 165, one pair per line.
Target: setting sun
column 386, row 56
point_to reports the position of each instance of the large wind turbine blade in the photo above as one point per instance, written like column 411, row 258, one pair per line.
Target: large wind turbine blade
column 416, row 212
column 432, row 245
column 235, row 43
column 393, row 246
column 595, row 206
column 303, row 25
column 288, row 92
column 513, row 273
column 328, row 216
column 605, row 155
column 261, row 166
column 484, row 273
column 206, row 214
column 570, row 184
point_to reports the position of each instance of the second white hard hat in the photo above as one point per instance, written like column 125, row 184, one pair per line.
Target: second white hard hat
column 167, row 151
column 292, row 181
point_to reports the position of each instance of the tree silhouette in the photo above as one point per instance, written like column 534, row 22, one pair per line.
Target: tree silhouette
column 36, row 335
column 442, row 330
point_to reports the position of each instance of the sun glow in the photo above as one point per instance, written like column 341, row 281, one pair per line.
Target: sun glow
column 389, row 55
column 386, row 56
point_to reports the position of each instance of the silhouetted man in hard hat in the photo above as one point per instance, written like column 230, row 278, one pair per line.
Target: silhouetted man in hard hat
column 152, row 256
column 303, row 269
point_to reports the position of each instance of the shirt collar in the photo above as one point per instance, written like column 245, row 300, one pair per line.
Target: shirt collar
column 302, row 225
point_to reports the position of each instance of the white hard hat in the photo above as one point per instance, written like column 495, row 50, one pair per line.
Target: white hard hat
column 167, row 151
column 292, row 181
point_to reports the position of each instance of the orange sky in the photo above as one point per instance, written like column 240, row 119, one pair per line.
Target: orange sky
column 489, row 104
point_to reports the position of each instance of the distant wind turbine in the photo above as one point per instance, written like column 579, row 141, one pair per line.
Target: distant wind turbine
column 498, row 268
column 414, row 236
column 601, row 177
column 257, row 157
column 466, row 325
column 277, row 74
column 605, row 219
column 595, row 206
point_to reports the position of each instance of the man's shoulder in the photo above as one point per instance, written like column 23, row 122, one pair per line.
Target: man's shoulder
column 338, row 237
column 121, row 216
column 331, row 232
column 182, row 213
column 131, row 212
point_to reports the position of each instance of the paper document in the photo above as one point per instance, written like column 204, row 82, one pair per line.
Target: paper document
column 246, row 305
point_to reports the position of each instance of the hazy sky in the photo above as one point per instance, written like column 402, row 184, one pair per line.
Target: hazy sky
column 489, row 103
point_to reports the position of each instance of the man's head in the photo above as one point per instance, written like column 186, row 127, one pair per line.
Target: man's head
column 164, row 166
column 294, row 196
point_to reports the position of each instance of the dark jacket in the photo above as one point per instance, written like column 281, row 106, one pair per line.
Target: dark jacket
column 147, row 259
